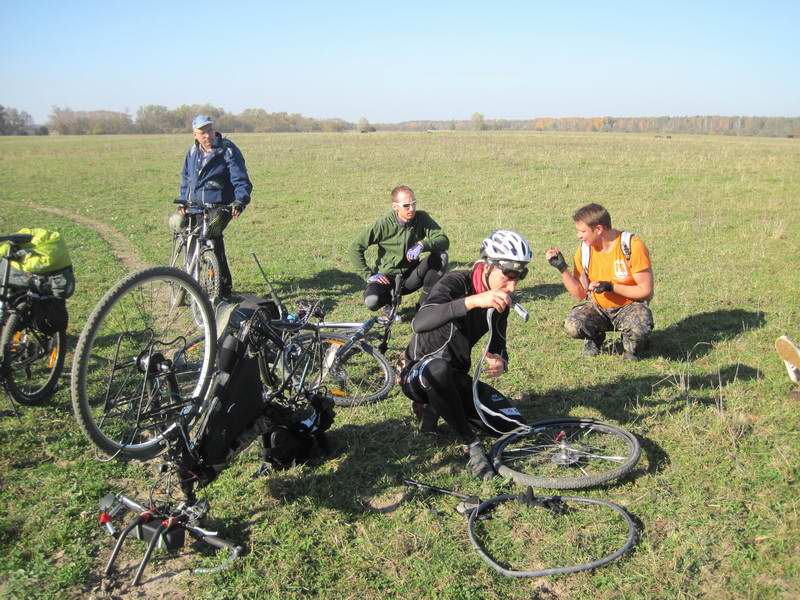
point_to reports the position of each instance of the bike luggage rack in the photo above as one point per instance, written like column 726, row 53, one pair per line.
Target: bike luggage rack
column 159, row 529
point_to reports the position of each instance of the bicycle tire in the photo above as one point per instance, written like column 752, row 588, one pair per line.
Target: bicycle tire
column 487, row 505
column 209, row 276
column 111, row 345
column 552, row 461
column 22, row 342
column 363, row 377
column 178, row 261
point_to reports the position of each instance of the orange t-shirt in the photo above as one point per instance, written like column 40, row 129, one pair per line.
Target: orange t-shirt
column 612, row 266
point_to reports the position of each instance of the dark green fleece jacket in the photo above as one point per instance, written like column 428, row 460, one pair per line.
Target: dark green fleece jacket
column 394, row 240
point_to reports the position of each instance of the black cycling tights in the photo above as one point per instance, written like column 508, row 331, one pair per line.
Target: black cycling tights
column 450, row 394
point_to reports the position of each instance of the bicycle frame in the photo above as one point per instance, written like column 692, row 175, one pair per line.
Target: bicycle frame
column 360, row 330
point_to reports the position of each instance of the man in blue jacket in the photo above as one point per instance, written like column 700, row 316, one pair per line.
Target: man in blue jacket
column 214, row 176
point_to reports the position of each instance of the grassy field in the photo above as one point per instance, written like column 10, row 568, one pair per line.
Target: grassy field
column 716, row 492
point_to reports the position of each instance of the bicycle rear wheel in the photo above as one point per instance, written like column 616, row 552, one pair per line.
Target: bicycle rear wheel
column 137, row 338
column 32, row 360
column 566, row 454
column 361, row 376
column 550, row 535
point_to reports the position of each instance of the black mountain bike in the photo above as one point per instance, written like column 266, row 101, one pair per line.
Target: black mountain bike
column 352, row 370
column 32, row 344
column 147, row 378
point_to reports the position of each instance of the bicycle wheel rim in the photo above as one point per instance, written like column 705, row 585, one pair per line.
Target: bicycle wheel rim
column 566, row 454
column 615, row 550
column 120, row 408
column 178, row 261
column 363, row 376
column 32, row 361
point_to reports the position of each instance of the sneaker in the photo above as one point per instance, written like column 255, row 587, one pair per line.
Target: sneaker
column 478, row 463
column 790, row 354
column 590, row 348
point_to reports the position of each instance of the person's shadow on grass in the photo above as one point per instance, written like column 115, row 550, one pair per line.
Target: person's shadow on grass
column 695, row 336
column 620, row 400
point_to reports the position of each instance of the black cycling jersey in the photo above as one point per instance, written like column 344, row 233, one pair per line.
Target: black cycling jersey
column 443, row 327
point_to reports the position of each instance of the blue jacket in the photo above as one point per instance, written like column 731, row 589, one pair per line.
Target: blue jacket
column 222, row 180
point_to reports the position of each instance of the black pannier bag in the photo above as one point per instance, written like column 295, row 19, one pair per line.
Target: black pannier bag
column 60, row 284
column 241, row 414
column 49, row 315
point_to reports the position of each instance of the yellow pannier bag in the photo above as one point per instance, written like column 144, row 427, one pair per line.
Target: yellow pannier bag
column 47, row 252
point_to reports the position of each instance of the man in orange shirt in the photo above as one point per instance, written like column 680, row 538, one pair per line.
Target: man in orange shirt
column 614, row 279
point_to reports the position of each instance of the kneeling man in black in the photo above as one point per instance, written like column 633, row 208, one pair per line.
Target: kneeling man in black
column 436, row 376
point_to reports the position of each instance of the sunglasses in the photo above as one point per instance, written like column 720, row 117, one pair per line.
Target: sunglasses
column 515, row 274
column 407, row 206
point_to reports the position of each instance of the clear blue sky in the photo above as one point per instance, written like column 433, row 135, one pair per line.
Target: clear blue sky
column 403, row 61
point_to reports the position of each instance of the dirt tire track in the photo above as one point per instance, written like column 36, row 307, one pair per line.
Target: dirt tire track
column 120, row 245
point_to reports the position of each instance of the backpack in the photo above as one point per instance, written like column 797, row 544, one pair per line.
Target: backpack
column 586, row 251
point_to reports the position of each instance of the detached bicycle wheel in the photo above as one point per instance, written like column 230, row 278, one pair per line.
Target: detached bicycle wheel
column 32, row 361
column 526, row 536
column 566, row 454
column 143, row 361
column 361, row 376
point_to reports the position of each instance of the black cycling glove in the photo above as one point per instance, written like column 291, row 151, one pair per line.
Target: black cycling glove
column 604, row 286
column 558, row 262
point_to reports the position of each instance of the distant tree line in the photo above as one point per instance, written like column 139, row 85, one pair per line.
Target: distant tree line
column 18, row 122
column 154, row 118
column 761, row 126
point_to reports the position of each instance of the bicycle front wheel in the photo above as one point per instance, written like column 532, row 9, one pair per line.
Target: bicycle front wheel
column 361, row 376
column 209, row 275
column 566, row 454
column 143, row 361
column 32, row 361
column 178, row 260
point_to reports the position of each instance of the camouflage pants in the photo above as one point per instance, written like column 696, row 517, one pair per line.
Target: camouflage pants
column 587, row 321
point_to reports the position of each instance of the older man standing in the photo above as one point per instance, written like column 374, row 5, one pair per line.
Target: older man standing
column 214, row 176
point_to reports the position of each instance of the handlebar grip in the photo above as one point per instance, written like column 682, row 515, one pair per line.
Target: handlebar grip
column 520, row 310
column 221, row 543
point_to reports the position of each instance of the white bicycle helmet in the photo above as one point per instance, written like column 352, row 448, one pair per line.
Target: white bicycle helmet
column 507, row 249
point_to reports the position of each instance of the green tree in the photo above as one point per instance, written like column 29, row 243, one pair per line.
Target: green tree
column 478, row 122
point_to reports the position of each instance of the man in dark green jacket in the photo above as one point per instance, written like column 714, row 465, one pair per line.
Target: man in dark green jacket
column 401, row 236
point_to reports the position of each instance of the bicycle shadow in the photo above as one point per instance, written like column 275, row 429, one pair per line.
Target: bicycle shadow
column 371, row 461
column 325, row 286
column 330, row 280
column 695, row 335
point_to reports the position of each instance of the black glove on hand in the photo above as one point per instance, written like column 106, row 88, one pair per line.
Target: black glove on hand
column 478, row 463
column 558, row 262
column 603, row 286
